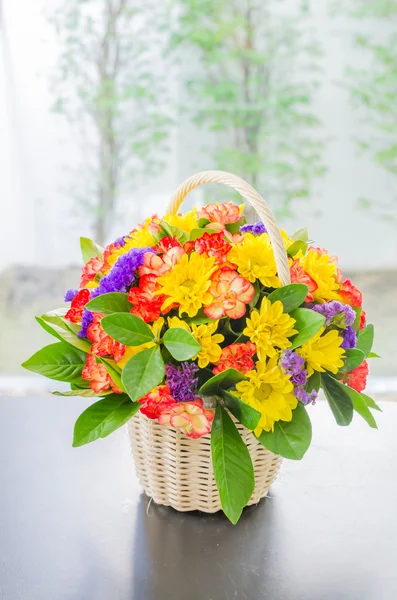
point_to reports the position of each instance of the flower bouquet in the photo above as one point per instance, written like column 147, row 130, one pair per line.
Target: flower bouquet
column 211, row 338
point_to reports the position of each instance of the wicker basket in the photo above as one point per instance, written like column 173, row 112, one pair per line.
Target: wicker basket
column 173, row 469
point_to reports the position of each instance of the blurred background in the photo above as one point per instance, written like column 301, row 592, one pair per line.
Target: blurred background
column 107, row 105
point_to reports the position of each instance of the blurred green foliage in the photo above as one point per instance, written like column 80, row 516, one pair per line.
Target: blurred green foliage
column 251, row 74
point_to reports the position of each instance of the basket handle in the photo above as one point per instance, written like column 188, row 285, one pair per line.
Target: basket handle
column 257, row 202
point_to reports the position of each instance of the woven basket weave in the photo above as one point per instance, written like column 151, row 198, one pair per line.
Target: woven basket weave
column 176, row 470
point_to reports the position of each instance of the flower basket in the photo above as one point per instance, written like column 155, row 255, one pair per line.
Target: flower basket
column 211, row 338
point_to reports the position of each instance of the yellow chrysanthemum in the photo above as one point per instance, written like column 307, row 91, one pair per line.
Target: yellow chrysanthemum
column 270, row 392
column 255, row 260
column 323, row 352
column 324, row 273
column 210, row 349
column 187, row 283
column 287, row 240
column 130, row 351
column 187, row 222
column 270, row 328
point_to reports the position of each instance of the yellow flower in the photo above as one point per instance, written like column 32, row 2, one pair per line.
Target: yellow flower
column 255, row 260
column 323, row 352
column 270, row 328
column 187, row 283
column 187, row 222
column 323, row 272
column 270, row 392
column 130, row 351
column 210, row 350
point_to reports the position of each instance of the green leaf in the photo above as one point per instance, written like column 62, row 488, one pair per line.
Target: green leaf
column 235, row 227
column 113, row 370
column 370, row 402
column 256, row 297
column 84, row 393
column 107, row 304
column 313, row 382
column 58, row 361
column 290, row 439
column 198, row 319
column 338, row 399
column 291, row 296
column 354, row 358
column 308, row 323
column 301, row 235
column 297, row 247
column 90, row 249
column 143, row 372
column 356, row 324
column 203, row 222
column 366, row 339
column 62, row 330
column 173, row 231
column 222, row 381
column 361, row 407
column 102, row 418
column 196, row 233
column 127, row 329
column 373, row 355
column 244, row 413
column 180, row 343
column 232, row 464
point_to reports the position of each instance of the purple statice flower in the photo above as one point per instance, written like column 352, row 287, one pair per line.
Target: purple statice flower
column 255, row 228
column 349, row 338
column 291, row 362
column 305, row 397
column 182, row 381
column 122, row 274
column 70, row 294
column 336, row 313
column 85, row 321
column 120, row 241
column 299, row 379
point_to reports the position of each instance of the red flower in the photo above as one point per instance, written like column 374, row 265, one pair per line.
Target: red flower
column 102, row 344
column 214, row 244
column 224, row 213
column 230, row 294
column 363, row 318
column 167, row 242
column 350, row 294
column 98, row 376
column 90, row 270
column 236, row 356
column 189, row 417
column 357, row 379
column 75, row 312
column 299, row 275
column 158, row 265
column 147, row 306
column 156, row 401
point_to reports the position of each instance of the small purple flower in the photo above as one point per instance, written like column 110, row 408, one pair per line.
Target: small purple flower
column 182, row 381
column 255, row 228
column 336, row 313
column 120, row 241
column 70, row 294
column 305, row 397
column 85, row 321
column 122, row 274
column 291, row 362
column 299, row 379
column 349, row 338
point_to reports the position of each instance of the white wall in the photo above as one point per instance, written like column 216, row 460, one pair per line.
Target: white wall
column 36, row 226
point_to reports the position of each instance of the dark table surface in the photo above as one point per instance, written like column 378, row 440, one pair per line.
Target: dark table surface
column 75, row 525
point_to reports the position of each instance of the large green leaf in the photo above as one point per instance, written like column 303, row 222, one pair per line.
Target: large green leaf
column 291, row 296
column 298, row 246
column 90, row 249
column 102, row 418
column 370, row 402
column 290, row 439
column 143, row 372
column 361, row 407
column 58, row 361
column 366, row 339
column 301, row 235
column 107, row 304
column 307, row 323
column 180, row 343
column 354, row 358
column 313, row 382
column 59, row 329
column 86, row 393
column 127, row 329
column 233, row 470
column 235, row 227
column 173, row 231
column 196, row 233
column 222, row 381
column 244, row 413
column 338, row 399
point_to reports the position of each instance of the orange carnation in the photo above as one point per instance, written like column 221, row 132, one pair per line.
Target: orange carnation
column 103, row 344
column 156, row 401
column 224, row 213
column 90, row 270
column 147, row 306
column 214, row 245
column 357, row 379
column 98, row 376
column 189, row 417
column 236, row 356
column 230, row 294
column 75, row 312
column 350, row 294
column 299, row 275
